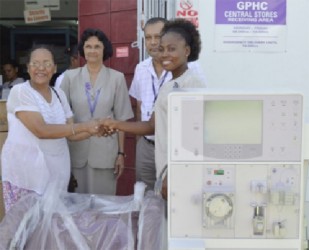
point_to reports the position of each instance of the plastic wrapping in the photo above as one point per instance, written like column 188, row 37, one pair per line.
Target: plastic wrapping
column 82, row 221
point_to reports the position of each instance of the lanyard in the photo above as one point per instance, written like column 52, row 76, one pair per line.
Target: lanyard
column 155, row 94
column 92, row 100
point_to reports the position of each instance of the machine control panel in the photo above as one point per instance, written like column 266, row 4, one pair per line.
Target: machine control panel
column 241, row 158
column 259, row 201
column 235, row 127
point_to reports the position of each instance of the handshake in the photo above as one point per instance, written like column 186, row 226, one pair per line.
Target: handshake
column 102, row 127
column 109, row 126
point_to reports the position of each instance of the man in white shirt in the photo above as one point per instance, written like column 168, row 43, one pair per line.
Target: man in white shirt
column 10, row 70
column 149, row 76
column 74, row 63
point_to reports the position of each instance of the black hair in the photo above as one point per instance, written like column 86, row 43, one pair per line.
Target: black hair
column 41, row 46
column 108, row 49
column 155, row 20
column 11, row 62
column 188, row 31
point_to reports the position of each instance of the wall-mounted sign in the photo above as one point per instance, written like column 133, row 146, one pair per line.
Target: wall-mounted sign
column 39, row 4
column 122, row 51
column 256, row 25
column 188, row 9
column 37, row 15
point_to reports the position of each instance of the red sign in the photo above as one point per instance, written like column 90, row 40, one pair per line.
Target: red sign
column 187, row 9
column 122, row 52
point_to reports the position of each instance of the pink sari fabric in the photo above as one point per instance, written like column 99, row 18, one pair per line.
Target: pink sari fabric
column 12, row 193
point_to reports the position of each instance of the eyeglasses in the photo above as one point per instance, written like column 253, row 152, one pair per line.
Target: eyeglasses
column 46, row 65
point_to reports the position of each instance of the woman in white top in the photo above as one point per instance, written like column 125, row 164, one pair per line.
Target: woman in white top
column 35, row 153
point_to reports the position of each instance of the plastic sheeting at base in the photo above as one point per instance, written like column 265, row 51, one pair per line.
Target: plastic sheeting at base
column 82, row 221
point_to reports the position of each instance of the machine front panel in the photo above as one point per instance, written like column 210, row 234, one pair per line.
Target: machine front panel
column 236, row 128
column 235, row 171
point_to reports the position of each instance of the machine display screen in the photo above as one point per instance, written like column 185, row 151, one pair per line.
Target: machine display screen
column 233, row 122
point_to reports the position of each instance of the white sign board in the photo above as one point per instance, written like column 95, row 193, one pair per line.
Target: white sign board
column 38, row 4
column 258, row 25
column 188, row 9
column 37, row 15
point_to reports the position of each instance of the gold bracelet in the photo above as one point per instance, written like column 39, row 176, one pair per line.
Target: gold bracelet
column 72, row 129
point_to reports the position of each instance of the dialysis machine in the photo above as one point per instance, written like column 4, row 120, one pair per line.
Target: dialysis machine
column 236, row 176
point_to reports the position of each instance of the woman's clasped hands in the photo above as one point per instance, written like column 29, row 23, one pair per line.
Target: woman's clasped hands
column 93, row 127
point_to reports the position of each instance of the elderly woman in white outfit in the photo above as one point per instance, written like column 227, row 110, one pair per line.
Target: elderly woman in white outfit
column 35, row 153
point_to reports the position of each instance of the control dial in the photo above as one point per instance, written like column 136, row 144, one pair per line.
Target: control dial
column 219, row 206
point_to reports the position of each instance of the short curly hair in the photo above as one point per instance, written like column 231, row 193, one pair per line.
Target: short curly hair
column 188, row 31
column 108, row 48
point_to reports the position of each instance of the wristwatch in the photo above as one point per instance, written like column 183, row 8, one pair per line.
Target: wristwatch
column 122, row 153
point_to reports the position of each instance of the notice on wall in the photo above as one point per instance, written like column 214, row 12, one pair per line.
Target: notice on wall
column 188, row 9
column 122, row 51
column 37, row 15
column 251, row 26
column 39, row 4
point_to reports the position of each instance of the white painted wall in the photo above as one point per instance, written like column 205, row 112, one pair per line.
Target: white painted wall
column 259, row 70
